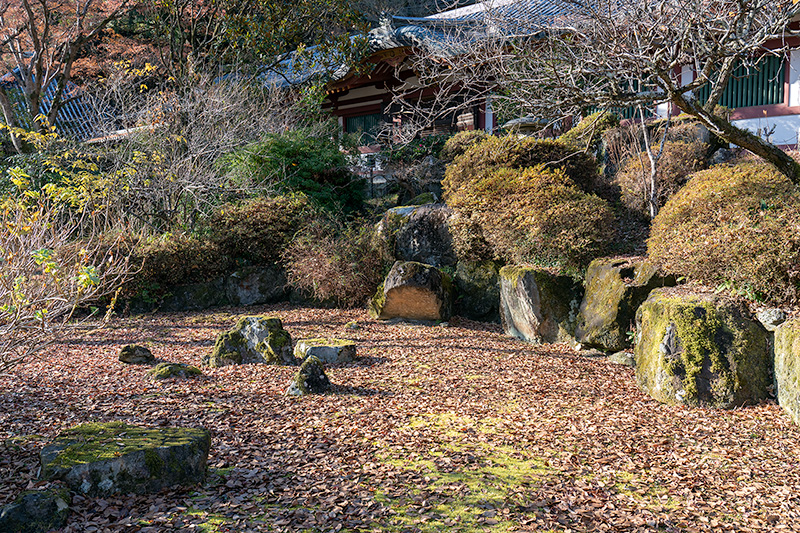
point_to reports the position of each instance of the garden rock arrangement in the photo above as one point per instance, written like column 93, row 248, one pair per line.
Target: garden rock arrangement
column 329, row 351
column 478, row 288
column 36, row 511
column 413, row 291
column 116, row 458
column 615, row 288
column 701, row 349
column 310, row 379
column 537, row 306
column 133, row 354
column 425, row 237
column 254, row 339
column 787, row 367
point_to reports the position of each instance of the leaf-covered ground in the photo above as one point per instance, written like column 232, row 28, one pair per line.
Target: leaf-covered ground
column 435, row 428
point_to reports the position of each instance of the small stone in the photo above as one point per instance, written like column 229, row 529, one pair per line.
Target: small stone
column 36, row 511
column 174, row 370
column 133, row 354
column 329, row 351
column 622, row 358
column 310, row 379
column 353, row 324
column 771, row 318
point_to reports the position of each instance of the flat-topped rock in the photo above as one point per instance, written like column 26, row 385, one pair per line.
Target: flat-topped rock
column 116, row 458
column 329, row 351
column 413, row 291
column 174, row 370
column 310, row 379
column 254, row 339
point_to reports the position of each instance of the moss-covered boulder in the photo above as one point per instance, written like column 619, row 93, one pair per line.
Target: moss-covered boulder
column 256, row 285
column 174, row 370
column 537, row 306
column 478, row 287
column 195, row 296
column 329, row 351
column 615, row 288
column 310, row 379
column 133, row 354
column 413, row 291
column 36, row 511
column 701, row 349
column 254, row 339
column 425, row 237
column 787, row 367
column 116, row 458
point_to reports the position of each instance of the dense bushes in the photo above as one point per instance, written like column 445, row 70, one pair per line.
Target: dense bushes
column 534, row 215
column 679, row 160
column 335, row 261
column 298, row 161
column 735, row 226
column 461, row 142
column 588, row 133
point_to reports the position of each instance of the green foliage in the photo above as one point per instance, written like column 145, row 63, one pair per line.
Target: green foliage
column 733, row 226
column 333, row 260
column 589, row 131
column 461, row 142
column 301, row 162
column 419, row 149
column 679, row 160
column 534, row 215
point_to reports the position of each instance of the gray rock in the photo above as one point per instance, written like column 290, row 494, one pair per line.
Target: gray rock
column 133, row 354
column 537, row 306
column 425, row 237
column 478, row 288
column 771, row 318
column 615, row 288
column 723, row 155
column 622, row 358
column 787, row 368
column 329, row 351
column 195, row 296
column 174, row 370
column 701, row 349
column 254, row 339
column 310, row 379
column 256, row 285
column 115, row 458
column 36, row 511
column 413, row 291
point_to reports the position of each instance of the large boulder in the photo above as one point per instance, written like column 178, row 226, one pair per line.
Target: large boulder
column 133, row 354
column 256, row 285
column 36, row 511
column 478, row 288
column 701, row 349
column 116, row 458
column 329, row 351
column 615, row 288
column 787, row 367
column 310, row 379
column 418, row 233
column 537, row 306
column 413, row 291
column 195, row 296
column 254, row 339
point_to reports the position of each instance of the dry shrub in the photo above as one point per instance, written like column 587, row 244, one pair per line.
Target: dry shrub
column 461, row 142
column 335, row 261
column 588, row 133
column 679, row 160
column 733, row 225
column 535, row 215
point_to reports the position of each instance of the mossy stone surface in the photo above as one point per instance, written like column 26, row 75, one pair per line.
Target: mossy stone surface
column 787, row 367
column 329, row 350
column 537, row 306
column 134, row 354
column 174, row 370
column 113, row 458
column 615, row 288
column 414, row 291
column 310, row 379
column 701, row 349
column 35, row 511
column 195, row 296
column 254, row 339
column 478, row 287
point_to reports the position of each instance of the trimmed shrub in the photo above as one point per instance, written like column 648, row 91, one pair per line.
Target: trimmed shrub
column 679, row 160
column 257, row 231
column 535, row 215
column 298, row 161
column 336, row 261
column 734, row 226
column 589, row 131
column 516, row 153
column 461, row 142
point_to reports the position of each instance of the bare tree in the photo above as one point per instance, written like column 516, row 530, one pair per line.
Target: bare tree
column 613, row 54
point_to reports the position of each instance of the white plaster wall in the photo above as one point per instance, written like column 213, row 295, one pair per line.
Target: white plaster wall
column 786, row 128
column 794, row 78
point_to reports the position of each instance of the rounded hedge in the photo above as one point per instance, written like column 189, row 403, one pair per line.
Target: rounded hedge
column 735, row 226
column 461, row 142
